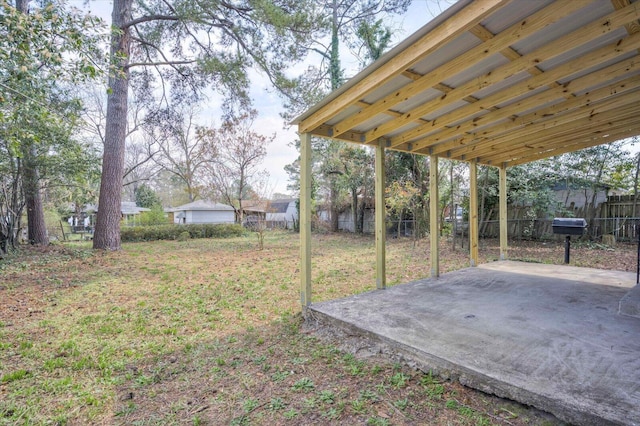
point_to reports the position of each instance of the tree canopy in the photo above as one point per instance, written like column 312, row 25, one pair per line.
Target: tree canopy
column 44, row 50
column 179, row 48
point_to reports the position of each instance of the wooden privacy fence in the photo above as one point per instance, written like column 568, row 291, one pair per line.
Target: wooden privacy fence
column 624, row 229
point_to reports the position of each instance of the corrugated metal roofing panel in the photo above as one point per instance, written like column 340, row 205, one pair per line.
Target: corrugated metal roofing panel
column 504, row 84
column 570, row 55
column 445, row 110
column 403, row 129
column 452, row 50
column 373, row 123
column 564, row 26
column 347, row 112
column 390, row 87
column 417, row 100
column 513, row 13
column 480, row 69
column 526, row 95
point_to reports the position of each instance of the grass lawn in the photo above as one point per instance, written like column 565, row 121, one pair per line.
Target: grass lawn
column 209, row 332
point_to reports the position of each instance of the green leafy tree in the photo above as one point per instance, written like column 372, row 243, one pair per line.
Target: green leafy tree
column 354, row 23
column 400, row 197
column 190, row 45
column 591, row 169
column 147, row 197
column 155, row 216
column 375, row 38
column 43, row 49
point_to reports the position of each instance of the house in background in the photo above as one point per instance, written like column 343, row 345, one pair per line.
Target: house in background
column 282, row 213
column 131, row 212
column 85, row 219
column 202, row 211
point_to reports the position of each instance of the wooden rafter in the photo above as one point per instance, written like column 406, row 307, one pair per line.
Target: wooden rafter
column 527, row 62
column 434, row 78
column 603, row 133
column 546, row 82
column 571, row 146
column 532, row 128
column 611, row 73
column 464, row 19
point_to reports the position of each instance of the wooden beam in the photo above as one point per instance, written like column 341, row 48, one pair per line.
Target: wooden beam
column 473, row 213
column 592, row 134
column 573, row 107
column 502, row 194
column 554, row 134
column 425, row 149
column 552, row 126
column 589, row 135
column 324, row 131
column 305, row 220
column 450, row 29
column 632, row 27
column 489, row 47
column 438, row 140
column 549, row 51
column 434, row 229
column 381, row 215
column 577, row 145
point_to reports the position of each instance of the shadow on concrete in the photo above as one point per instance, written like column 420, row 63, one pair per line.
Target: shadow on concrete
column 544, row 335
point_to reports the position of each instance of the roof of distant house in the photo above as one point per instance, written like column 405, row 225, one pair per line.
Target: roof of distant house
column 280, row 206
column 126, row 208
column 202, row 205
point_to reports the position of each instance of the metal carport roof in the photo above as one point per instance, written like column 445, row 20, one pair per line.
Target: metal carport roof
column 499, row 82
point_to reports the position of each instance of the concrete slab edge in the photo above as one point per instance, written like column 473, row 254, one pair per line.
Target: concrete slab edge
column 630, row 303
column 358, row 341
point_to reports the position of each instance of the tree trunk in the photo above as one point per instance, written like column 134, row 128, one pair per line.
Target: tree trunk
column 22, row 6
column 334, row 62
column 36, row 226
column 335, row 223
column 11, row 208
column 107, row 232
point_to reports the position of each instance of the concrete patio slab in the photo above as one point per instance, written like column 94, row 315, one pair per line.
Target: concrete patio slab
column 545, row 335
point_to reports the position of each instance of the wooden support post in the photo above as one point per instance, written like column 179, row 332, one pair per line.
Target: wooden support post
column 473, row 212
column 434, row 230
column 503, row 212
column 305, row 220
column 381, row 215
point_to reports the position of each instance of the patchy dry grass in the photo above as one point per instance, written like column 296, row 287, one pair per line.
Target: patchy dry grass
column 208, row 332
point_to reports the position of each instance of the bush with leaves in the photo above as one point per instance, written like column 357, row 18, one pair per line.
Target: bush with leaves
column 174, row 232
column 155, row 216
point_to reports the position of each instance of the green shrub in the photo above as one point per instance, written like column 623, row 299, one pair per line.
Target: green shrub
column 173, row 232
column 153, row 217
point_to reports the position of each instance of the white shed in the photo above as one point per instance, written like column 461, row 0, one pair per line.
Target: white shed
column 202, row 211
column 282, row 213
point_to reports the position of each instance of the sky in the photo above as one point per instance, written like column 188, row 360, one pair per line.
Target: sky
column 269, row 104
